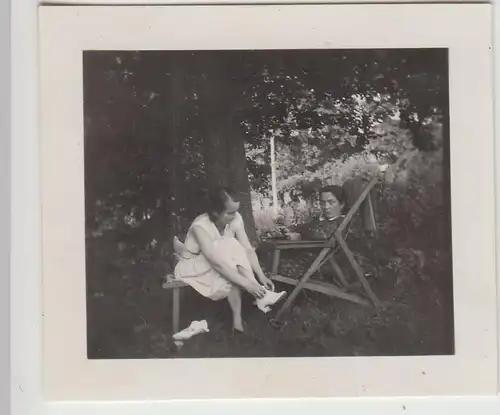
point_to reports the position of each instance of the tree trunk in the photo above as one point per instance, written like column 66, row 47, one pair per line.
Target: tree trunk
column 224, row 145
column 225, row 165
column 174, row 111
column 238, row 175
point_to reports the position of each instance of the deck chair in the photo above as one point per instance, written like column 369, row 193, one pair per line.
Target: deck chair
column 358, row 198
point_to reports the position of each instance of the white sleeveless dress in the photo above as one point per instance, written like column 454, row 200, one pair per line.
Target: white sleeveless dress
column 194, row 269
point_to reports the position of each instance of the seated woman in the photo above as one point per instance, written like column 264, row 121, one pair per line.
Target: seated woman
column 333, row 205
column 218, row 261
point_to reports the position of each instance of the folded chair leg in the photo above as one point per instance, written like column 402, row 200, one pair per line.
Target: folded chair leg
column 339, row 272
column 373, row 248
column 358, row 270
column 325, row 259
column 175, row 309
column 312, row 269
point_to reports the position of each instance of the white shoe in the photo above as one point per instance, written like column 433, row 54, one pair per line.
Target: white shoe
column 196, row 327
column 264, row 304
column 265, row 309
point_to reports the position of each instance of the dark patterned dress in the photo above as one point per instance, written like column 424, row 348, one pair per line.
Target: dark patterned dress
column 319, row 229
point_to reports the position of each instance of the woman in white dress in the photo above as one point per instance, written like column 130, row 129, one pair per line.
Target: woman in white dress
column 218, row 260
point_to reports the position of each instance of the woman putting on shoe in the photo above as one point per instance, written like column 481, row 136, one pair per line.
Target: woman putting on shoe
column 218, row 261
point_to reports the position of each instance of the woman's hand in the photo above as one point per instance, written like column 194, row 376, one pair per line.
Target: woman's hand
column 266, row 282
column 255, row 289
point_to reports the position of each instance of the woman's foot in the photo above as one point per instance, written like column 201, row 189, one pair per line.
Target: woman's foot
column 238, row 328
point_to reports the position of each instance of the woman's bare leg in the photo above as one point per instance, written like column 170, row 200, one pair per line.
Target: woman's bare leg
column 242, row 258
column 234, row 299
column 246, row 273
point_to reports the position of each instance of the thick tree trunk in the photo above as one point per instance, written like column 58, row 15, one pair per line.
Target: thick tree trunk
column 224, row 145
column 175, row 111
column 225, row 165
column 238, row 175
column 216, row 147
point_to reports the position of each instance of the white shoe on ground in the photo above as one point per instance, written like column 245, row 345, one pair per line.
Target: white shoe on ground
column 196, row 327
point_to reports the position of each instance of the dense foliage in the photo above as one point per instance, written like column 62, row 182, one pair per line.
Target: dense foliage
column 162, row 127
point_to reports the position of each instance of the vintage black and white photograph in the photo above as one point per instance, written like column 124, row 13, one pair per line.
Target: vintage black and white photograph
column 267, row 203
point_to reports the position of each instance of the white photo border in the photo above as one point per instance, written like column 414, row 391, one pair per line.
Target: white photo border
column 5, row 207
column 65, row 32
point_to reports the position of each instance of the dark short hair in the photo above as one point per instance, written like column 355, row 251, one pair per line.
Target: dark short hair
column 218, row 197
column 337, row 191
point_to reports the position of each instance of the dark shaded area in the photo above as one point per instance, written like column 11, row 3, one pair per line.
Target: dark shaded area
column 162, row 127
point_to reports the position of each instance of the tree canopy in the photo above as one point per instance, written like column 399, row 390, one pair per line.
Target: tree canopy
column 161, row 127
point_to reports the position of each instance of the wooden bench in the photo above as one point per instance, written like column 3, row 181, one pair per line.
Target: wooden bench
column 174, row 285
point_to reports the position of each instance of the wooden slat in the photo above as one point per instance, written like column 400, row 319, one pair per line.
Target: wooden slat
column 176, row 305
column 305, row 245
column 358, row 271
column 325, row 259
column 173, row 284
column 312, row 269
column 276, row 261
column 298, row 244
column 323, row 288
column 355, row 207
column 338, row 271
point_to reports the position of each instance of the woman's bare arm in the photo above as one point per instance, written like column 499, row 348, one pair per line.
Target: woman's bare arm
column 242, row 238
column 221, row 266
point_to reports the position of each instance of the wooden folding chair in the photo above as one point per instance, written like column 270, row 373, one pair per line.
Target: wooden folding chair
column 328, row 250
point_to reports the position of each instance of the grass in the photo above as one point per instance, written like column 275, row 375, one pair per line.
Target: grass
column 129, row 316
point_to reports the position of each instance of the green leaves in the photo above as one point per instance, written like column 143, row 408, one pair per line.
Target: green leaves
column 332, row 114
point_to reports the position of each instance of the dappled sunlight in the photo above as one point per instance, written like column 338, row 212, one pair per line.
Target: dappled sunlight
column 161, row 128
